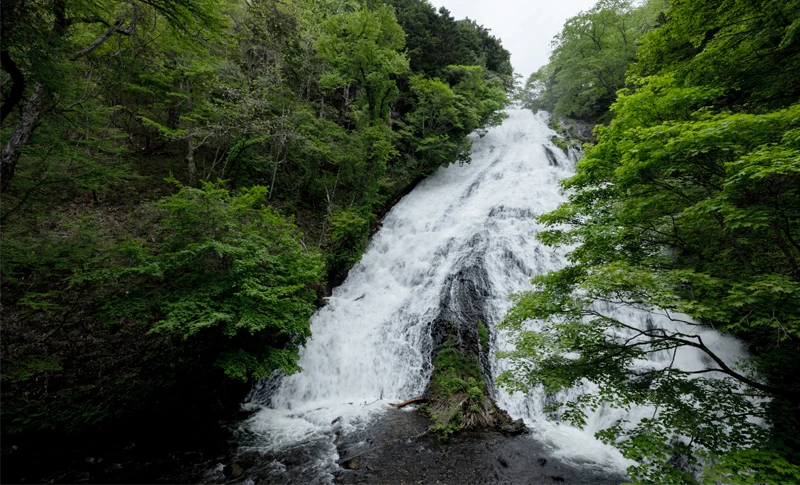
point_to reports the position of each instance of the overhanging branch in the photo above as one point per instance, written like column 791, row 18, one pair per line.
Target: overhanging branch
column 14, row 95
column 111, row 30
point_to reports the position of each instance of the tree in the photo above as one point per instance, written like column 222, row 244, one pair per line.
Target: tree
column 229, row 273
column 435, row 40
column 364, row 49
column 44, row 43
column 590, row 57
column 443, row 116
column 687, row 207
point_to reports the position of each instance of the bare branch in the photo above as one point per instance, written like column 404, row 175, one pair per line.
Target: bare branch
column 112, row 29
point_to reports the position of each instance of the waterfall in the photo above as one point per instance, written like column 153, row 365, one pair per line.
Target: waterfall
column 371, row 344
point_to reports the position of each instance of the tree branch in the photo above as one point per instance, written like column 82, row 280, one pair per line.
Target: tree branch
column 17, row 87
column 112, row 29
column 679, row 338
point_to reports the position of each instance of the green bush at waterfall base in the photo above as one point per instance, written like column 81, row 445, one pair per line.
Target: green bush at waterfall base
column 193, row 181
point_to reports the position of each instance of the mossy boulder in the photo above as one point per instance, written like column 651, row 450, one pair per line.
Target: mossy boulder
column 458, row 396
column 570, row 133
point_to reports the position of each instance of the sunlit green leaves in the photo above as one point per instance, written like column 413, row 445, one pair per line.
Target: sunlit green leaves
column 688, row 204
column 228, row 269
column 590, row 57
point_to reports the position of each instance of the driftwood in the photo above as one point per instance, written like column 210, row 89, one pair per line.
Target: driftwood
column 410, row 401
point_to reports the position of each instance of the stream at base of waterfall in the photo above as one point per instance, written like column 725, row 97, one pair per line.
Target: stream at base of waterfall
column 372, row 342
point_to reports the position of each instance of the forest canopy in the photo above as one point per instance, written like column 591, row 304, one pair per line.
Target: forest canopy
column 183, row 180
column 688, row 207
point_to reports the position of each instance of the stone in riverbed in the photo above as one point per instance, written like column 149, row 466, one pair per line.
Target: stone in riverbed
column 352, row 464
column 513, row 427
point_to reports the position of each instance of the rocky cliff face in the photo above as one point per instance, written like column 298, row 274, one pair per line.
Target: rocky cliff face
column 461, row 389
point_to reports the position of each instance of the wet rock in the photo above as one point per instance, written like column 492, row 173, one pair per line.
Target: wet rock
column 464, row 458
column 513, row 427
column 247, row 460
column 552, row 160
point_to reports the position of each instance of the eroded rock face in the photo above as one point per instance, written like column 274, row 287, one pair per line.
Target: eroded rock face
column 462, row 307
column 577, row 129
column 460, row 341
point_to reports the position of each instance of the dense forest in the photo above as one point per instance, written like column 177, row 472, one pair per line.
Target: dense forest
column 688, row 204
column 183, row 181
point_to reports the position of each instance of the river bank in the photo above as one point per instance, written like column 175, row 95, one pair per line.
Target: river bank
column 179, row 456
column 394, row 449
column 399, row 451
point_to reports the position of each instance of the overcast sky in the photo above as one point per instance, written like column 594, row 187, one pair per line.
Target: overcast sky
column 526, row 27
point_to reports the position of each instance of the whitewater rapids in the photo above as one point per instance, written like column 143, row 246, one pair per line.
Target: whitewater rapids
column 372, row 343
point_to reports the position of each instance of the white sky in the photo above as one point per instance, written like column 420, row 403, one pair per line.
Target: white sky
column 525, row 27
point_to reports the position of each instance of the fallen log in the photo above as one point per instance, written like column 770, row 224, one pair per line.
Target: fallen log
column 410, row 401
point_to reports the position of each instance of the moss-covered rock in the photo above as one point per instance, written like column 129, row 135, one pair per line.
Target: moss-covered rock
column 457, row 392
column 570, row 133
column 483, row 336
column 458, row 396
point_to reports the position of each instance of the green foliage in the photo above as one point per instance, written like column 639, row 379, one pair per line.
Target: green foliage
column 433, row 118
column 447, row 424
column 33, row 366
column 590, row 57
column 483, row 336
column 364, row 47
column 153, row 307
column 444, row 114
column 458, row 393
column 348, row 233
column 435, row 40
column 454, row 372
column 562, row 143
column 228, row 271
column 687, row 205
column 748, row 48
column 565, row 137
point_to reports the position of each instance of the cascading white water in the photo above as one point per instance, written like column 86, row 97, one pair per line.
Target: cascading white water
column 371, row 344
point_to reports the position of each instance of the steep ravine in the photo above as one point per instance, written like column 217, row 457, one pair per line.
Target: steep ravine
column 441, row 268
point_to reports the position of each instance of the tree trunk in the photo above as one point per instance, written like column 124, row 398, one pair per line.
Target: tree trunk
column 278, row 155
column 191, row 164
column 17, row 85
column 31, row 116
